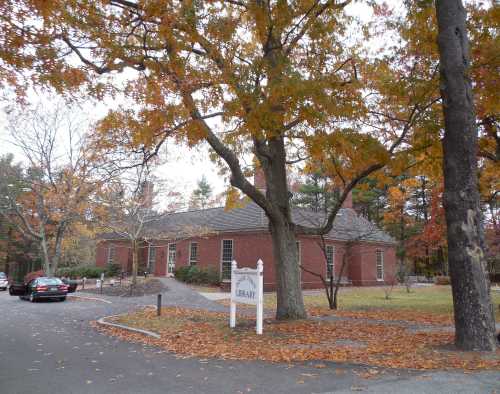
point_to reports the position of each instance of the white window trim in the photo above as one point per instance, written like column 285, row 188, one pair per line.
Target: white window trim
column 168, row 257
column 299, row 250
column 190, row 261
column 108, row 260
column 152, row 248
column 382, row 264
column 222, row 255
column 333, row 261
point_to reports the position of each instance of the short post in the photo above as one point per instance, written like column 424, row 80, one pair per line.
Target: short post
column 102, row 281
column 83, row 282
column 260, row 289
column 232, row 307
column 158, row 305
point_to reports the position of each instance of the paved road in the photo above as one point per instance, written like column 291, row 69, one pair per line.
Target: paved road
column 49, row 347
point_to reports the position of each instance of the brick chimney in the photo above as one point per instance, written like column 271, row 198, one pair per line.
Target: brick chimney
column 348, row 201
column 259, row 180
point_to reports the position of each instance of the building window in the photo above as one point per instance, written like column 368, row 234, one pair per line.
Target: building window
column 111, row 254
column 193, row 253
column 227, row 258
column 330, row 261
column 151, row 258
column 172, row 251
column 299, row 258
column 380, row 265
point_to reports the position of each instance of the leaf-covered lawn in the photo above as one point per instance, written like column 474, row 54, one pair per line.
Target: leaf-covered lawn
column 206, row 334
column 432, row 299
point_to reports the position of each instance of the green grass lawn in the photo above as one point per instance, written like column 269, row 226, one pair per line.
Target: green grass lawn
column 205, row 289
column 433, row 299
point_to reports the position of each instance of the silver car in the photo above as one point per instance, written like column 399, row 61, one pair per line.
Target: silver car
column 4, row 283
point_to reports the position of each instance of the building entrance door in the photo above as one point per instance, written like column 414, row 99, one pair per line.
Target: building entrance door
column 171, row 259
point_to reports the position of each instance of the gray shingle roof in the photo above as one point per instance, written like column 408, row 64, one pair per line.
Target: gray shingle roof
column 250, row 217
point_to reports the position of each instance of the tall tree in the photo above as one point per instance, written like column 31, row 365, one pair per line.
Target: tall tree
column 280, row 76
column 474, row 321
column 42, row 198
column 125, row 208
column 201, row 196
column 314, row 193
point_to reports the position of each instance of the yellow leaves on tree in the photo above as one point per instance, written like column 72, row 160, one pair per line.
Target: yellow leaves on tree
column 343, row 154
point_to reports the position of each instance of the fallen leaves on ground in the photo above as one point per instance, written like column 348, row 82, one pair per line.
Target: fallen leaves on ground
column 206, row 334
column 402, row 315
column 406, row 315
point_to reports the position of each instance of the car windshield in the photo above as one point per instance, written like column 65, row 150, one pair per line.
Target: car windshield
column 49, row 281
column 2, row 275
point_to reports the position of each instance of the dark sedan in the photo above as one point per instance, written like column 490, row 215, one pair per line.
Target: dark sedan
column 40, row 288
column 4, row 283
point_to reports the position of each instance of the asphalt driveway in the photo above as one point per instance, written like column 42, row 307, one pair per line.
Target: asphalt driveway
column 49, row 347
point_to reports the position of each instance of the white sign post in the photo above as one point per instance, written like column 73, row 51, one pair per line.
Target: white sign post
column 247, row 287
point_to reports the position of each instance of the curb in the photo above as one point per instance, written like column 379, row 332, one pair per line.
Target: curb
column 91, row 298
column 102, row 321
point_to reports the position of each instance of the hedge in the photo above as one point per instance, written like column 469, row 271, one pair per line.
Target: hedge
column 87, row 271
column 197, row 275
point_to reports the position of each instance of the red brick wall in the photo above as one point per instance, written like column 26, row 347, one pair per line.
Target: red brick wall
column 354, row 265
column 123, row 255
column 313, row 259
column 251, row 246
column 101, row 254
column 365, row 258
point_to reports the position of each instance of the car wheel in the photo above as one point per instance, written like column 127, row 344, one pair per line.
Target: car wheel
column 32, row 298
column 62, row 299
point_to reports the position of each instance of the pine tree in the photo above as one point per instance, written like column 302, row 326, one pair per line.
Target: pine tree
column 201, row 196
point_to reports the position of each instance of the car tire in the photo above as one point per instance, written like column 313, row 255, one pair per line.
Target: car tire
column 62, row 299
column 32, row 298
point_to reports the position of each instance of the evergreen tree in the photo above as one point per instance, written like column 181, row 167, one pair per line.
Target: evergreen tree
column 202, row 194
column 315, row 193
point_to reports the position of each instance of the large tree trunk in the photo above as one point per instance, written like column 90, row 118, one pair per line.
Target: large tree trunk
column 290, row 304
column 47, row 266
column 474, row 322
column 58, row 247
column 135, row 261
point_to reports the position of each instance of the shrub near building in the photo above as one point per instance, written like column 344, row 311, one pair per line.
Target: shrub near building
column 197, row 275
column 89, row 271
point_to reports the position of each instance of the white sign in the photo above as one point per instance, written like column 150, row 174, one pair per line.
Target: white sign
column 245, row 290
column 247, row 287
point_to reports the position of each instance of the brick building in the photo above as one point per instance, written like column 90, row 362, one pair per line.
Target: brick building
column 214, row 237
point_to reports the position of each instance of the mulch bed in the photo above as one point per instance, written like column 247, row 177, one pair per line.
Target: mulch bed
column 148, row 287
